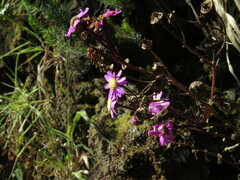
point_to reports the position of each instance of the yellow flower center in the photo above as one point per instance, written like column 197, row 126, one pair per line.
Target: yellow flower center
column 112, row 83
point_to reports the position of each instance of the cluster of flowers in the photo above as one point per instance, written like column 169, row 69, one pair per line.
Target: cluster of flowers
column 85, row 25
column 77, row 20
column 164, row 129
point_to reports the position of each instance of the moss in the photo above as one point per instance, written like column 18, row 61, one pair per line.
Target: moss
column 102, row 119
column 12, row 39
column 122, row 4
column 126, row 33
column 123, row 122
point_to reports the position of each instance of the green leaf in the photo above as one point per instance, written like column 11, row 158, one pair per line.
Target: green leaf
column 19, row 173
column 78, row 175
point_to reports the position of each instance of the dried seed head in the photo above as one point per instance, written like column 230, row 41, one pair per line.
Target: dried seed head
column 198, row 88
column 206, row 6
column 111, row 66
column 156, row 17
column 146, row 44
column 125, row 66
column 96, row 58
column 170, row 17
column 220, row 158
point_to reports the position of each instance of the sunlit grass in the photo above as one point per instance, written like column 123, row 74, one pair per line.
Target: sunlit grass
column 30, row 133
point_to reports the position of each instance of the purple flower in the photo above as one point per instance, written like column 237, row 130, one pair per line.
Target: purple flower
column 114, row 83
column 111, row 107
column 109, row 13
column 75, row 20
column 158, row 104
column 165, row 132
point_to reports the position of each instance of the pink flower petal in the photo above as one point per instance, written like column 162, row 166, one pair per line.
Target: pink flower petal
column 162, row 141
column 157, row 96
column 107, row 77
column 109, row 13
column 110, row 94
column 106, row 86
column 113, row 113
column 165, row 104
column 75, row 23
column 119, row 73
column 70, row 31
column 83, row 13
column 119, row 90
column 152, row 132
column 122, row 81
column 111, row 74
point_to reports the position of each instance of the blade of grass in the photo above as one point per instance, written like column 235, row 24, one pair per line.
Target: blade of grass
column 78, row 175
column 59, row 133
column 8, row 85
column 84, row 147
column 31, row 49
column 31, row 58
column 57, row 162
column 39, row 115
column 23, row 27
column 24, row 121
column 10, row 133
column 20, row 153
column 237, row 2
column 61, row 88
column 84, row 115
column 13, row 50
column 16, row 70
column 1, row 120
